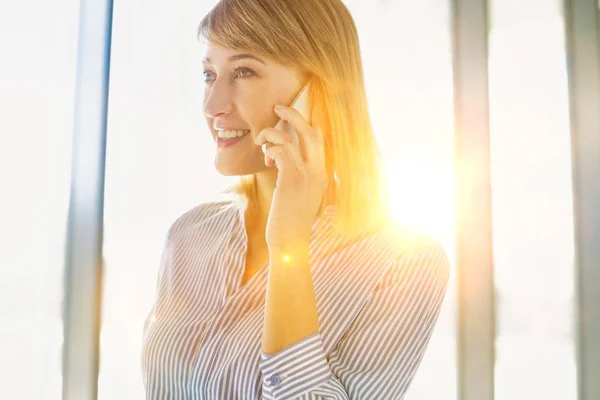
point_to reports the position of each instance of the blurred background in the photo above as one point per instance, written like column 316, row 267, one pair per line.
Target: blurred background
column 159, row 163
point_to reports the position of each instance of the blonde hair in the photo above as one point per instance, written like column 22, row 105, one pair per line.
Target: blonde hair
column 319, row 37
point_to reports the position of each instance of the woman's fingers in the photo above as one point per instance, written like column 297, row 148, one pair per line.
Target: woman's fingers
column 311, row 138
column 274, row 136
column 281, row 156
column 271, row 138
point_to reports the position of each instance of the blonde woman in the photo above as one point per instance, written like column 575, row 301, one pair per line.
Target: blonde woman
column 297, row 285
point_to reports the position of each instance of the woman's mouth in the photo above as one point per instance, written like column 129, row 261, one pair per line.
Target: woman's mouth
column 227, row 138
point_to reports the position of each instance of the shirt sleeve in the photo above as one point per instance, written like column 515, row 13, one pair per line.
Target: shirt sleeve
column 378, row 355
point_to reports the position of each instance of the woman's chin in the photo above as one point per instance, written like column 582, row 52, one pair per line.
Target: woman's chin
column 230, row 170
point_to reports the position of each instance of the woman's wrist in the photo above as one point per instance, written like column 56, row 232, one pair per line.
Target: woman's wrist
column 291, row 253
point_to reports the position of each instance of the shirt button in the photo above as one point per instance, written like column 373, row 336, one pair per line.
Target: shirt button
column 275, row 380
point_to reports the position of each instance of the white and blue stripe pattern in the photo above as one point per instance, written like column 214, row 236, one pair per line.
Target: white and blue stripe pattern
column 377, row 300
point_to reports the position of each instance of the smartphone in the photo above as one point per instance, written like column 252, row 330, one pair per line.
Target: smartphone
column 301, row 104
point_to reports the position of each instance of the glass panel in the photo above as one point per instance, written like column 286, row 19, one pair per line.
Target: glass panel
column 532, row 201
column 406, row 50
column 39, row 46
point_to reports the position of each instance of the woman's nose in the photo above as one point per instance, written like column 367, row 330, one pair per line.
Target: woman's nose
column 218, row 100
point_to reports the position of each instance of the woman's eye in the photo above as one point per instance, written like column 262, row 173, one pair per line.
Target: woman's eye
column 207, row 76
column 242, row 72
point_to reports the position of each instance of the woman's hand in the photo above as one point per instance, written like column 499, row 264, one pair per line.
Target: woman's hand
column 301, row 182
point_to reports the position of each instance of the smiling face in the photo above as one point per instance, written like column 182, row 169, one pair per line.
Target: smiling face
column 241, row 90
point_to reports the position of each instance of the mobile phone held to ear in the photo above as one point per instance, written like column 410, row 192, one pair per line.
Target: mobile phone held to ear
column 301, row 104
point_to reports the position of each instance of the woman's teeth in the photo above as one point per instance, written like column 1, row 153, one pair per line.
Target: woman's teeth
column 227, row 134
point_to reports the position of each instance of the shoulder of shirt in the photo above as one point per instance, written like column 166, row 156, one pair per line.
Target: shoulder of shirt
column 417, row 244
column 203, row 213
column 416, row 254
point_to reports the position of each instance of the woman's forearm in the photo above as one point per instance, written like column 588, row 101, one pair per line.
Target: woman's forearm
column 290, row 304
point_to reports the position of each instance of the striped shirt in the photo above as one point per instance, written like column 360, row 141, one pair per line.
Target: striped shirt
column 378, row 299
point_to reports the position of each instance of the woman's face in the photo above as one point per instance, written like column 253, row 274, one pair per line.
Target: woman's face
column 240, row 92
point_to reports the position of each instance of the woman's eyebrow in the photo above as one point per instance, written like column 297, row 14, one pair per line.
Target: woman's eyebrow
column 238, row 57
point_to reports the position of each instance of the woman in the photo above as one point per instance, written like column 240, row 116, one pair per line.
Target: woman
column 297, row 285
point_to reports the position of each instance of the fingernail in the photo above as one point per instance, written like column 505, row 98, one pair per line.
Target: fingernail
column 279, row 108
